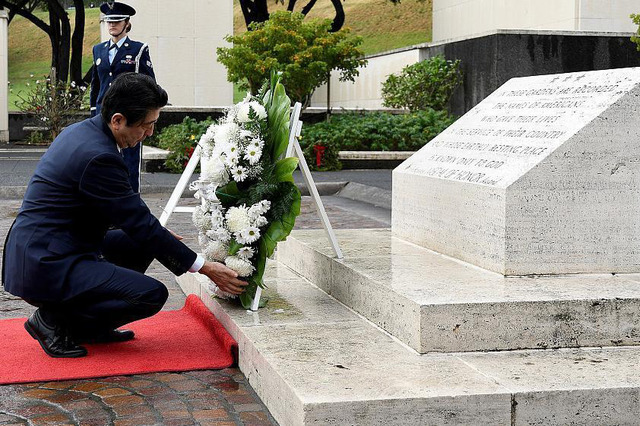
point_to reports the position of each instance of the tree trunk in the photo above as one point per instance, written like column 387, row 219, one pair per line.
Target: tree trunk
column 58, row 15
column 75, row 69
column 254, row 11
column 54, row 36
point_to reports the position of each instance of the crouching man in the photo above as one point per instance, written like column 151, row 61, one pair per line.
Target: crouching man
column 83, row 238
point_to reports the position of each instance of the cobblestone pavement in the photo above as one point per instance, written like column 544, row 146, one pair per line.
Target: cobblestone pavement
column 209, row 397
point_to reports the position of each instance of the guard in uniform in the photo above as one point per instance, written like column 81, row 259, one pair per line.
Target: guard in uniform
column 111, row 58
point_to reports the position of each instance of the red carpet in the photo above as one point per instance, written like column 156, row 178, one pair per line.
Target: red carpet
column 188, row 339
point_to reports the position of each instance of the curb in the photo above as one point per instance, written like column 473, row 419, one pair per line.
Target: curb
column 351, row 190
column 367, row 194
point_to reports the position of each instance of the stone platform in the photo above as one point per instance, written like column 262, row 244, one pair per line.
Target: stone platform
column 313, row 360
column 433, row 303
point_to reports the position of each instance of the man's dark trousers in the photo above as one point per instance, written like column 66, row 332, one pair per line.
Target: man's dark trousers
column 127, row 296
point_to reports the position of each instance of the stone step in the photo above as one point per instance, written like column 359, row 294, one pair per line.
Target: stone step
column 314, row 361
column 434, row 303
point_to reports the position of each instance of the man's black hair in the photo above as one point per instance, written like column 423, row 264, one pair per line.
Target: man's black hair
column 132, row 95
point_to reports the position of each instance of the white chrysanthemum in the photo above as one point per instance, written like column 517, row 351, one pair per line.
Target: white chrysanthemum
column 216, row 251
column 200, row 219
column 202, row 239
column 260, row 221
column 208, row 135
column 231, row 149
column 239, row 173
column 256, row 143
column 210, row 166
column 232, row 160
column 243, row 267
column 248, row 235
column 219, row 234
column 245, row 253
column 237, row 218
column 242, row 113
column 214, row 170
column 226, row 132
column 252, row 155
column 259, row 209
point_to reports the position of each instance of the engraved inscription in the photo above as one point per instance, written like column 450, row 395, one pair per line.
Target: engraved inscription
column 517, row 126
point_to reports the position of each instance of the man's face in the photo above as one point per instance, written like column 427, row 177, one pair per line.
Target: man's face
column 115, row 28
column 128, row 136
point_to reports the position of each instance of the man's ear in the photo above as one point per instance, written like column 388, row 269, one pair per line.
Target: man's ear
column 118, row 120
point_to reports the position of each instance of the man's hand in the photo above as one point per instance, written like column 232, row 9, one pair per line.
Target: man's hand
column 226, row 279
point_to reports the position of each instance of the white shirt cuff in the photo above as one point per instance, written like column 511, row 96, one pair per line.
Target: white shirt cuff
column 199, row 262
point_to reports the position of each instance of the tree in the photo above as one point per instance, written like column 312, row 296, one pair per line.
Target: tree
column 257, row 11
column 305, row 53
column 66, row 49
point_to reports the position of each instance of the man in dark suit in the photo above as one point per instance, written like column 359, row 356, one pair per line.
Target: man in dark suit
column 118, row 55
column 63, row 254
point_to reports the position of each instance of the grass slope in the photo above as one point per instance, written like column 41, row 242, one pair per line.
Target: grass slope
column 382, row 25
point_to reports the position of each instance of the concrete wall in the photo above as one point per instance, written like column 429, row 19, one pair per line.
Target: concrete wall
column 488, row 62
column 183, row 37
column 366, row 90
column 455, row 19
column 4, row 74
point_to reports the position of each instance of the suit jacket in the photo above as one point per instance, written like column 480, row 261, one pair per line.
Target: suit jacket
column 79, row 190
column 133, row 56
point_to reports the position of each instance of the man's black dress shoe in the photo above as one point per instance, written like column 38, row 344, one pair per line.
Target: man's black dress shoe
column 53, row 339
column 109, row 336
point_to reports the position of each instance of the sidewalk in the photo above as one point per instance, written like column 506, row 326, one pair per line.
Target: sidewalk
column 191, row 398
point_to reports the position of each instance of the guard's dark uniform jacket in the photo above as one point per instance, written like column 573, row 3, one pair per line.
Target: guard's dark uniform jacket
column 79, row 190
column 133, row 56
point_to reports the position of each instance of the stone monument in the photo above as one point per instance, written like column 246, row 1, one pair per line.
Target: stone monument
column 542, row 177
column 4, row 73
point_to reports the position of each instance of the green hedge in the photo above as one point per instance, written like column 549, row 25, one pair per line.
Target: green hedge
column 377, row 131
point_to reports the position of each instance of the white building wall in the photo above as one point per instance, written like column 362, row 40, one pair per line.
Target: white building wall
column 183, row 37
column 455, row 19
column 4, row 77
column 613, row 15
column 366, row 91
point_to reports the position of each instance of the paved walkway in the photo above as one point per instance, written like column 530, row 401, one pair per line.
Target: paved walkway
column 206, row 397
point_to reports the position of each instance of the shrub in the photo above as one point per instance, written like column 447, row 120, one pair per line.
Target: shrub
column 378, row 131
column 426, row 84
column 52, row 102
column 304, row 52
column 180, row 140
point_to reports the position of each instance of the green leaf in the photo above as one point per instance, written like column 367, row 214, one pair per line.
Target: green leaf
column 228, row 194
column 284, row 169
column 234, row 247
